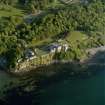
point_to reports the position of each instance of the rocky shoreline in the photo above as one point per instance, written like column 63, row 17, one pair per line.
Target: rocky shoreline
column 91, row 53
column 34, row 81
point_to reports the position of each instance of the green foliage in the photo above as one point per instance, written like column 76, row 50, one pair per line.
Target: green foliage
column 76, row 17
column 79, row 17
column 15, row 54
column 35, row 4
column 71, row 54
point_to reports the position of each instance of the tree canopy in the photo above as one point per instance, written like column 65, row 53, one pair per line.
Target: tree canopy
column 76, row 17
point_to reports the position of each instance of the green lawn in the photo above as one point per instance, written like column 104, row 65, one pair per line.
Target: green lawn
column 76, row 36
column 40, row 42
column 55, row 4
column 6, row 11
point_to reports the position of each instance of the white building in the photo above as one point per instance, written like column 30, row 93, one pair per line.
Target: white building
column 66, row 47
column 29, row 53
column 55, row 47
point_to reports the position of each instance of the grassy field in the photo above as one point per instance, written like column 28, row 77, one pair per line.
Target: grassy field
column 75, row 37
column 55, row 4
column 6, row 11
column 40, row 42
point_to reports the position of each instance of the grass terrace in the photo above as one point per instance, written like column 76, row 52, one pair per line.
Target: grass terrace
column 41, row 52
column 39, row 43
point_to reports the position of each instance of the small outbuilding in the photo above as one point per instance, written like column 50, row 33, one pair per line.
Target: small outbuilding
column 29, row 53
column 55, row 48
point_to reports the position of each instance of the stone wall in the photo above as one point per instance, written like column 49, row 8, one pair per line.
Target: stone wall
column 28, row 65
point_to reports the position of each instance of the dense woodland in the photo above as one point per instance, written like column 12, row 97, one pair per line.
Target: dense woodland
column 16, row 34
column 28, row 4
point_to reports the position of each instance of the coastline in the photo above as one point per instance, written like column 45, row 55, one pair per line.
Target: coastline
column 89, row 60
column 90, row 54
column 33, row 82
column 66, row 73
